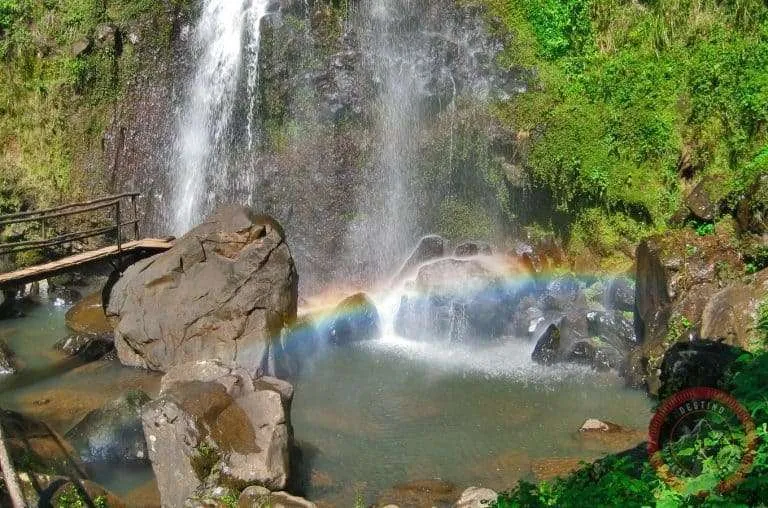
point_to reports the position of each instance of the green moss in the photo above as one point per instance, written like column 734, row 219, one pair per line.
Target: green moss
column 204, row 460
column 460, row 220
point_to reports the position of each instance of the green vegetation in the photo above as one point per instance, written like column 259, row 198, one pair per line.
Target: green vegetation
column 633, row 101
column 65, row 63
column 71, row 497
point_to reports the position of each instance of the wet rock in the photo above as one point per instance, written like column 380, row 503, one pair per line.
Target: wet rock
column 215, row 425
column 547, row 347
column 87, row 347
column 256, row 497
column 704, row 200
column 421, row 493
column 693, row 364
column 564, row 293
column 752, row 211
column 355, row 319
column 731, row 313
column 457, row 300
column 476, row 497
column 429, row 248
column 621, row 294
column 225, row 290
column 7, row 359
column 88, row 317
column 112, row 433
column 65, row 492
column 34, row 445
column 472, row 248
column 604, row 436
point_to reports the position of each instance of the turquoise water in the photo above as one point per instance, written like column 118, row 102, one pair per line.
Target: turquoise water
column 369, row 416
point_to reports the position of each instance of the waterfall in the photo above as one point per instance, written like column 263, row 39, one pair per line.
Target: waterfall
column 227, row 33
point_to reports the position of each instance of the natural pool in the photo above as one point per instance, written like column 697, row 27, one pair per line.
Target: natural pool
column 368, row 416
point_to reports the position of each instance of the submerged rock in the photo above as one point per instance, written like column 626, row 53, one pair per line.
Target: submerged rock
column 225, row 290
column 88, row 317
column 216, row 425
column 7, row 359
column 355, row 319
column 420, row 493
column 112, row 433
column 87, row 347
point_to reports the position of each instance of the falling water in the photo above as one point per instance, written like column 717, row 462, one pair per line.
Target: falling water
column 202, row 147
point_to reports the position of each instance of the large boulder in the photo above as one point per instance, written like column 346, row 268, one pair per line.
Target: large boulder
column 458, row 300
column 472, row 248
column 215, row 425
column 112, row 433
column 225, row 291
column 752, row 211
column 694, row 364
column 678, row 273
column 429, row 248
column 355, row 319
column 547, row 347
column 705, row 199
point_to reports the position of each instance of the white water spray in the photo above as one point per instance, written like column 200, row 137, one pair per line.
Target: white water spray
column 210, row 100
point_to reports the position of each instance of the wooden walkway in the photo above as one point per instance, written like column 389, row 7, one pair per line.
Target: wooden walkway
column 143, row 248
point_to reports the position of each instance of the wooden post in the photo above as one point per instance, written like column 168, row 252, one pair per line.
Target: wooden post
column 9, row 474
column 117, row 218
column 135, row 218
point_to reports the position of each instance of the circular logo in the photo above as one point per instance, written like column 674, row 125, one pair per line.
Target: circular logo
column 700, row 440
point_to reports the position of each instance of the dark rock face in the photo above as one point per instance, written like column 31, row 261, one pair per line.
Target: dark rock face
column 215, row 425
column 472, row 248
column 429, row 248
column 225, row 290
column 547, row 347
column 564, row 293
column 112, row 433
column 7, row 359
column 457, row 300
column 704, row 200
column 355, row 319
column 752, row 212
column 693, row 364
column 87, row 347
column 678, row 273
column 621, row 294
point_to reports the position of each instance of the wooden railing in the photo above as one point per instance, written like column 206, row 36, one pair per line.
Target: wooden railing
column 45, row 217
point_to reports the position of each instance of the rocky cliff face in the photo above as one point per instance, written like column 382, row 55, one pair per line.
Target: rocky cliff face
column 319, row 158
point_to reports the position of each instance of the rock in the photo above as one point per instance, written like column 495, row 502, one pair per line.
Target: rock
column 87, row 347
column 547, row 347
column 545, row 470
column 621, row 294
column 81, row 47
column 609, row 437
column 476, row 497
column 472, row 248
column 215, row 425
column 458, row 300
column 564, row 293
column 420, row 493
column 225, row 290
column 752, row 211
column 257, row 497
column 429, row 248
column 593, row 424
column 112, row 433
column 731, row 313
column 704, row 200
column 37, row 447
column 355, row 319
column 677, row 275
column 88, row 317
column 65, row 492
column 693, row 364
column 8, row 305
column 7, row 359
